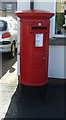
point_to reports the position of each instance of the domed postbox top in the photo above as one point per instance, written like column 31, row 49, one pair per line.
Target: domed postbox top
column 35, row 14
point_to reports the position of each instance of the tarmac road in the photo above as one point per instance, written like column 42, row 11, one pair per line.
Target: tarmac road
column 6, row 63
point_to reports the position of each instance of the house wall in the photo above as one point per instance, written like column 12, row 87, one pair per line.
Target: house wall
column 56, row 67
column 56, row 61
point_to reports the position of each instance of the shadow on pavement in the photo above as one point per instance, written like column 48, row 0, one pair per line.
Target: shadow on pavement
column 37, row 102
column 7, row 63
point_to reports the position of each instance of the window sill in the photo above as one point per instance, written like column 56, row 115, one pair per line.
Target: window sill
column 58, row 41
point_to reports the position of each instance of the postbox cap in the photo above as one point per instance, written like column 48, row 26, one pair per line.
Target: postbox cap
column 27, row 14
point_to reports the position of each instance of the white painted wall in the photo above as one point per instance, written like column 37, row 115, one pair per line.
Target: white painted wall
column 56, row 53
column 23, row 5
column 56, row 61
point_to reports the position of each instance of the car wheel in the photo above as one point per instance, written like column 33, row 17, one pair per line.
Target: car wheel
column 13, row 50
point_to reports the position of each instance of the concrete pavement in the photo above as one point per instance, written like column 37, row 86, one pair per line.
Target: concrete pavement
column 8, row 86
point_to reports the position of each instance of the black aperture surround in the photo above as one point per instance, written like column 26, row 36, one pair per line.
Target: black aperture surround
column 39, row 28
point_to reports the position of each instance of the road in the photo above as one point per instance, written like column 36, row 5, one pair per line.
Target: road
column 6, row 63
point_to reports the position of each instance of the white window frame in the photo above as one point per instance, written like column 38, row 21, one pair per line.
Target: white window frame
column 56, row 35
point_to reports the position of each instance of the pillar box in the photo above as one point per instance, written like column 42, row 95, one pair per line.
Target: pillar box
column 34, row 46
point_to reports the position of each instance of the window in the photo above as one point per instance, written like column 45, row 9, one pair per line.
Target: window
column 3, row 25
column 9, row 7
column 60, row 24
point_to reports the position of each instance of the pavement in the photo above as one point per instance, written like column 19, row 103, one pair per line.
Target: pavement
column 8, row 86
column 19, row 101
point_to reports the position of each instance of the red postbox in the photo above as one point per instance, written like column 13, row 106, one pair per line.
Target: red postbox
column 34, row 46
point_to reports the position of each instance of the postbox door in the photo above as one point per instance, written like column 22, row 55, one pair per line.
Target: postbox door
column 39, row 64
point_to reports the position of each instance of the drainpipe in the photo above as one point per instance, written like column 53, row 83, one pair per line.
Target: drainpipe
column 31, row 4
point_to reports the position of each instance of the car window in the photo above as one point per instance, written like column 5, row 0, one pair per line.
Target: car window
column 3, row 25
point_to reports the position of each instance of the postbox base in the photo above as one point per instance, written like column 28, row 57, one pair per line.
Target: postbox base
column 33, row 84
